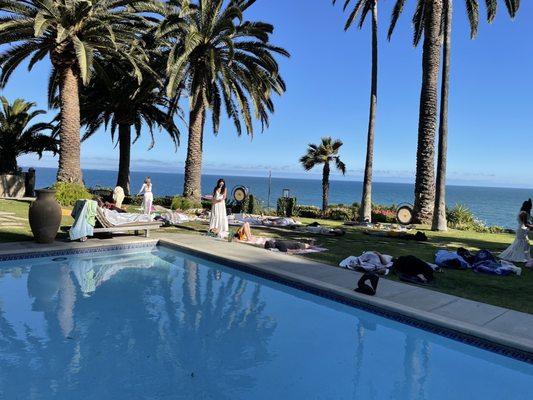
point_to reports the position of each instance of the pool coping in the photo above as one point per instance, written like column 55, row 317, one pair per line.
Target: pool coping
column 29, row 250
column 498, row 342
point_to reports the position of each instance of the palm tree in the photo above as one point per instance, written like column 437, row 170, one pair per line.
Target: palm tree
column 71, row 33
column 324, row 153
column 220, row 58
column 18, row 137
column 365, row 6
column 117, row 99
column 429, row 20
column 439, row 215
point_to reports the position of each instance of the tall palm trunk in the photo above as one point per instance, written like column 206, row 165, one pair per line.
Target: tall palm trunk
column 427, row 124
column 439, row 216
column 325, row 186
column 366, row 201
column 69, row 137
column 192, row 187
column 8, row 163
column 124, row 143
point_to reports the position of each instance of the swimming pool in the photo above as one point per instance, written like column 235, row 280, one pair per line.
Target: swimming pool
column 155, row 323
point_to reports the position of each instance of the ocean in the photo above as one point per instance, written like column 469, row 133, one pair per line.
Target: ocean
column 494, row 206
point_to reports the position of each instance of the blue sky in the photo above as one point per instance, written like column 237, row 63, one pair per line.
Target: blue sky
column 491, row 104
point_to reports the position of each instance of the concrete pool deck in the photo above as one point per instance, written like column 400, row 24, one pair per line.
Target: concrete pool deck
column 497, row 325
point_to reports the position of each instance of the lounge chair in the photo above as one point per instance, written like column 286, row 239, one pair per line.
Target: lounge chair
column 109, row 221
column 114, row 227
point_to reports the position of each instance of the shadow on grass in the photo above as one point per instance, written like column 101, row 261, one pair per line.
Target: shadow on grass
column 6, row 236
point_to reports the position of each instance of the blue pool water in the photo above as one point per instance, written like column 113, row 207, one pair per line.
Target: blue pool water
column 159, row 324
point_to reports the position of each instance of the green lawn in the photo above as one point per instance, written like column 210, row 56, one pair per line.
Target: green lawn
column 20, row 209
column 511, row 291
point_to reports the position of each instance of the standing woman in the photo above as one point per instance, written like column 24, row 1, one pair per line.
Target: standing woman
column 518, row 251
column 219, row 220
column 148, row 197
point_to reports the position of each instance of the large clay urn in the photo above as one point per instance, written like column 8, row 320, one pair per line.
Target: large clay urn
column 45, row 216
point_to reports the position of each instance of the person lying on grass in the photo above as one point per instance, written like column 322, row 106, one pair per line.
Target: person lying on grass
column 244, row 233
column 286, row 246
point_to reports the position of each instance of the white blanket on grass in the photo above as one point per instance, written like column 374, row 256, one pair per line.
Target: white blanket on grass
column 266, row 221
column 370, row 261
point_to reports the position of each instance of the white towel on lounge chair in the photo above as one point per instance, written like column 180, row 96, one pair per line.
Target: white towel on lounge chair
column 116, row 219
column 81, row 228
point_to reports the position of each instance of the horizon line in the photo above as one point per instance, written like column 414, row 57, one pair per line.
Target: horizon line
column 314, row 177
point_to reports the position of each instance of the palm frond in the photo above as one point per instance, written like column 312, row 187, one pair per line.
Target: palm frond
column 219, row 58
column 323, row 153
column 492, row 6
column 396, row 12
column 472, row 11
column 512, row 7
column 419, row 21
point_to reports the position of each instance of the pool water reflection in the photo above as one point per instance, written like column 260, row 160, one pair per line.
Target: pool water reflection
column 160, row 324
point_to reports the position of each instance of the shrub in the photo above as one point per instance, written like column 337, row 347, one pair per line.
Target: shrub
column 308, row 211
column 164, row 201
column 106, row 194
column 383, row 216
column 231, row 205
column 182, row 203
column 101, row 191
column 461, row 218
column 339, row 213
column 133, row 200
column 68, row 193
column 356, row 208
column 497, row 229
column 336, row 212
column 252, row 205
column 286, row 206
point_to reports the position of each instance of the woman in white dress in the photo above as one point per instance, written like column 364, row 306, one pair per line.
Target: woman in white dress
column 148, row 197
column 518, row 251
column 219, row 221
